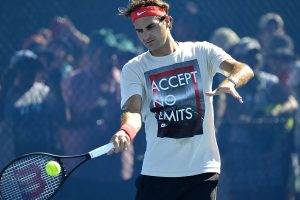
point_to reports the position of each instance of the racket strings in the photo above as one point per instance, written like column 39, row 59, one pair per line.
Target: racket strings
column 27, row 179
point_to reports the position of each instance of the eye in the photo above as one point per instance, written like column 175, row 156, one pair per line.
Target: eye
column 150, row 27
column 139, row 30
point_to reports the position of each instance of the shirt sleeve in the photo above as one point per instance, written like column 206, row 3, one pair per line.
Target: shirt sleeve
column 130, row 84
column 215, row 56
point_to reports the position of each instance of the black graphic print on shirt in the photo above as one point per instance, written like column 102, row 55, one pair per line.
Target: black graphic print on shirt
column 177, row 99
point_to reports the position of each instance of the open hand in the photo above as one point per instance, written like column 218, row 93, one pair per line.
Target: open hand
column 226, row 89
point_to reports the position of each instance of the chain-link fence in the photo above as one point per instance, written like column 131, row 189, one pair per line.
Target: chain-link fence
column 72, row 109
column 199, row 18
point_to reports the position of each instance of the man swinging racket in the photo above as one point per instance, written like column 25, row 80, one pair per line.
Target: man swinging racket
column 169, row 88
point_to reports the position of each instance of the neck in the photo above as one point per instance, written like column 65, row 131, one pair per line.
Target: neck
column 168, row 48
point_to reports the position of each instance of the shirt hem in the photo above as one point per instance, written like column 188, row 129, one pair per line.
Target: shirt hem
column 181, row 174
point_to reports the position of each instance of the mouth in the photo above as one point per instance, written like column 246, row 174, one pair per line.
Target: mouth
column 149, row 42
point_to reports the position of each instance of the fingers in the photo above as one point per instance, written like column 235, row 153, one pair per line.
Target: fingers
column 213, row 93
column 228, row 90
column 210, row 94
column 111, row 151
column 121, row 142
column 236, row 95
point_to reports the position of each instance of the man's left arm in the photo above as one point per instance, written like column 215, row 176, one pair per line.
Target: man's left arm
column 237, row 74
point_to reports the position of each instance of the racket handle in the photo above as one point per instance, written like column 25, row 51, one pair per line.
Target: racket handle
column 101, row 150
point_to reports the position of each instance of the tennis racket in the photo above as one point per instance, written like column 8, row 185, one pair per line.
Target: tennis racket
column 25, row 178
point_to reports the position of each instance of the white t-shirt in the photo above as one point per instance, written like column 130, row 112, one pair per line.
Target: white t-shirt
column 178, row 116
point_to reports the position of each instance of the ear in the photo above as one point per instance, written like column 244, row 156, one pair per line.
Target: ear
column 169, row 21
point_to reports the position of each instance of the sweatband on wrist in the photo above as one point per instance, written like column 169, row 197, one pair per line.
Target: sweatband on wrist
column 129, row 130
column 147, row 11
column 233, row 80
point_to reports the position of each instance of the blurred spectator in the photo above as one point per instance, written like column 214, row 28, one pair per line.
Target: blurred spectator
column 59, row 67
column 63, row 28
column 269, row 24
column 55, row 55
column 26, row 110
column 35, row 42
column 92, row 98
column 249, row 50
column 58, row 56
column 294, row 84
column 45, row 56
column 279, row 57
column 224, row 38
column 62, row 33
column 62, row 57
column 261, row 137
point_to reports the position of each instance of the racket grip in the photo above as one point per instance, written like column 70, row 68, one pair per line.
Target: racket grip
column 101, row 150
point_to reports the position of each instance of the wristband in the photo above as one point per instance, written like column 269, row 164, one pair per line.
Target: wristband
column 233, row 80
column 129, row 130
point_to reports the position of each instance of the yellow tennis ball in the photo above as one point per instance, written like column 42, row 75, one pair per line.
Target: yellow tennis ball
column 53, row 168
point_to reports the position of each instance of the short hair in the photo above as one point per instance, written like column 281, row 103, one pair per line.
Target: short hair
column 271, row 21
column 26, row 61
column 246, row 46
column 136, row 4
column 225, row 38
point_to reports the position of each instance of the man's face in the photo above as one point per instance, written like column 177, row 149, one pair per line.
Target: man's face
column 152, row 32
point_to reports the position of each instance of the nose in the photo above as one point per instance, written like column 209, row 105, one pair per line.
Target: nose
column 145, row 36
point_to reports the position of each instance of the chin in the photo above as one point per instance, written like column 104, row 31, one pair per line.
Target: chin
column 149, row 47
column 153, row 48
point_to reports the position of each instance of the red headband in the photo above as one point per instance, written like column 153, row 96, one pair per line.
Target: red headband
column 147, row 11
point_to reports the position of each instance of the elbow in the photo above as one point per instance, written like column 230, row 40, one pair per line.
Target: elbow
column 251, row 72
column 248, row 71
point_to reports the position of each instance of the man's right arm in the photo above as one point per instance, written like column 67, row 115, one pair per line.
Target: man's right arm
column 131, row 123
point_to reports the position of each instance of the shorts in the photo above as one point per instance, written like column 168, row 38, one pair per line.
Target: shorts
column 202, row 187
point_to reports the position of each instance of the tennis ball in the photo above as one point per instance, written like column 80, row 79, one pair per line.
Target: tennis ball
column 53, row 168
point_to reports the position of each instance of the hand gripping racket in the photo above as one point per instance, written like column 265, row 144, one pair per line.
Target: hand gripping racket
column 25, row 178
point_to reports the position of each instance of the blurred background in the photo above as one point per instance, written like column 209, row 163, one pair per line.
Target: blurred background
column 60, row 65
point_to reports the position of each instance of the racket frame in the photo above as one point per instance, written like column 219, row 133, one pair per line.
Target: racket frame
column 87, row 156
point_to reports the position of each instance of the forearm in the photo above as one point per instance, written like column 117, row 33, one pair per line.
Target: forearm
column 238, row 75
column 79, row 38
column 131, row 123
column 240, row 72
column 132, row 119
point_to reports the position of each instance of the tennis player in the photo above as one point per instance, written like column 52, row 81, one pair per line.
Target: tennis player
column 169, row 88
